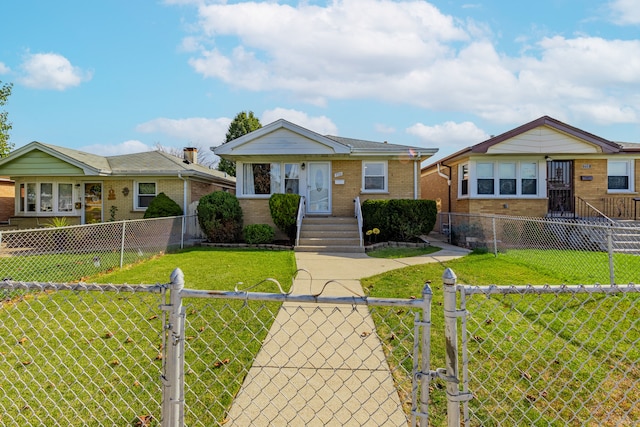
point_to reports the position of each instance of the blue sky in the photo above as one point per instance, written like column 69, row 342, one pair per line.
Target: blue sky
column 120, row 76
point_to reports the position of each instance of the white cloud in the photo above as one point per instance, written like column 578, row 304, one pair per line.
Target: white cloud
column 448, row 137
column 625, row 12
column 379, row 127
column 410, row 53
column 196, row 130
column 321, row 124
column 126, row 147
column 4, row 69
column 51, row 71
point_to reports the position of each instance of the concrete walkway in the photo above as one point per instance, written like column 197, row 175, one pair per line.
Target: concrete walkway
column 323, row 364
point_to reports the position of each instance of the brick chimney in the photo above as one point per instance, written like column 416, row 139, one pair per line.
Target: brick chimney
column 191, row 154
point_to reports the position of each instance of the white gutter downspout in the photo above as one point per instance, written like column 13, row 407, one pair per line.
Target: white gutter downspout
column 444, row 176
column 184, row 209
column 416, row 176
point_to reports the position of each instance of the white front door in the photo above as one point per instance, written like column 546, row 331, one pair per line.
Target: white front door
column 319, row 188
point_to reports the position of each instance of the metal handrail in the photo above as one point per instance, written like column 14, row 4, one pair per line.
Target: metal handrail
column 596, row 210
column 302, row 211
column 358, row 214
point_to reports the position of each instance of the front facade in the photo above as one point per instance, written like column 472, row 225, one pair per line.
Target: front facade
column 542, row 168
column 53, row 181
column 329, row 172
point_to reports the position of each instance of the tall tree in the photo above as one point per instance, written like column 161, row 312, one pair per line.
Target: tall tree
column 241, row 125
column 5, row 125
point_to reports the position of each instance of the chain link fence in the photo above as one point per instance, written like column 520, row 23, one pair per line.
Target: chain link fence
column 80, row 355
column 551, row 355
column 608, row 251
column 68, row 254
column 92, row 355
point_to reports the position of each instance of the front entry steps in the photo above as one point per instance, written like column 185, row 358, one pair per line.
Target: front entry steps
column 329, row 234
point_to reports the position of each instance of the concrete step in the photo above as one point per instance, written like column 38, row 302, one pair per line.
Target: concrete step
column 334, row 249
column 329, row 234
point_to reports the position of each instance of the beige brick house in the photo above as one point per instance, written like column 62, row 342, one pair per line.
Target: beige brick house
column 542, row 168
column 52, row 181
column 330, row 172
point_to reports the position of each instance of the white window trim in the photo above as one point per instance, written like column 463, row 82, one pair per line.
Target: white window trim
column 136, row 194
column 460, row 176
column 473, row 180
column 240, row 179
column 631, row 175
column 55, row 197
column 385, row 165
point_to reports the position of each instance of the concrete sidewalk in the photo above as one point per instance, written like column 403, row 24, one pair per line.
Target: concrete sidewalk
column 323, row 364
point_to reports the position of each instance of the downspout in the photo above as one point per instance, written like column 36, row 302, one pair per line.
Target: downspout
column 184, row 194
column 416, row 176
column 448, row 178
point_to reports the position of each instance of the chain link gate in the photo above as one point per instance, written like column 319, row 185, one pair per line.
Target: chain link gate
column 543, row 355
column 322, row 361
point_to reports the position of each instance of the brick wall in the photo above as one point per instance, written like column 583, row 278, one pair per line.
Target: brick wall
column 256, row 211
column 7, row 200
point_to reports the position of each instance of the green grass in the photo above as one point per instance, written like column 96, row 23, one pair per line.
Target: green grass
column 391, row 252
column 99, row 353
column 534, row 360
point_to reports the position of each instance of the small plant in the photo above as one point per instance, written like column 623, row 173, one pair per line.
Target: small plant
column 284, row 209
column 258, row 234
column 112, row 213
column 373, row 232
column 162, row 206
column 220, row 216
column 57, row 222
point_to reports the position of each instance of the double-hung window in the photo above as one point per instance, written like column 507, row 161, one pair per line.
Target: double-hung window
column 374, row 176
column 528, row 178
column 270, row 178
column 485, row 178
column 619, row 175
column 53, row 197
column 508, row 179
column 464, row 179
column 145, row 192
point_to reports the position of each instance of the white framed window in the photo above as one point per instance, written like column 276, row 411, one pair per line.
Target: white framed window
column 620, row 176
column 529, row 178
column 508, row 181
column 463, row 173
column 374, row 177
column 144, row 193
column 45, row 197
column 265, row 179
column 485, row 182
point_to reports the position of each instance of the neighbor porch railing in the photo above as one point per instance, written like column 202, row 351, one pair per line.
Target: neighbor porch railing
column 585, row 210
column 358, row 215
column 302, row 211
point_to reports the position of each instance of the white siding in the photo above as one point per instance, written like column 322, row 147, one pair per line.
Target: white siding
column 282, row 141
column 543, row 140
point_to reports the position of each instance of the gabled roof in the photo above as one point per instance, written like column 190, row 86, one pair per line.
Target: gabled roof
column 309, row 143
column 137, row 164
column 606, row 145
column 602, row 145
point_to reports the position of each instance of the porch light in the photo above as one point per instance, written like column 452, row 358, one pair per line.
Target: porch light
column 302, row 166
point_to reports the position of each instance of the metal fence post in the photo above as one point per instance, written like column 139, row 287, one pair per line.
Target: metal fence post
column 124, row 224
column 612, row 274
column 173, row 390
column 449, row 280
column 495, row 237
column 425, row 378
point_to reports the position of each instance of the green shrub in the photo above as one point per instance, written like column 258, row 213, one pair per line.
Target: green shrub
column 220, row 217
column 399, row 219
column 284, row 211
column 160, row 206
column 258, row 234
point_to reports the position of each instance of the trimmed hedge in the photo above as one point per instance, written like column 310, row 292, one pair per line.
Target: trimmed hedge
column 162, row 206
column 399, row 219
column 258, row 234
column 220, row 217
column 284, row 212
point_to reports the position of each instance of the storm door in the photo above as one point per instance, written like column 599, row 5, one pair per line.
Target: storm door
column 319, row 188
column 92, row 202
column 560, row 187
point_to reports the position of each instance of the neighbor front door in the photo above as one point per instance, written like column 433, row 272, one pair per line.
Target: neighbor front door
column 560, row 187
column 319, row 188
column 92, row 202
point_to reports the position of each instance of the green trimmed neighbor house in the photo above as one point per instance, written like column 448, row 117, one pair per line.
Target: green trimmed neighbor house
column 52, row 181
